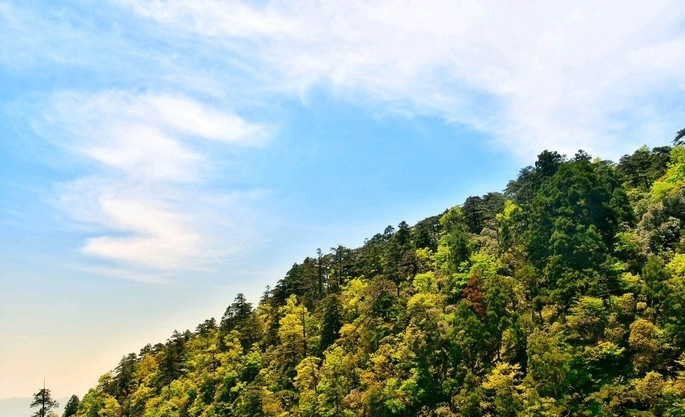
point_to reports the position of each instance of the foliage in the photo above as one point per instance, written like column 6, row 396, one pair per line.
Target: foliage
column 564, row 295
column 72, row 406
column 44, row 402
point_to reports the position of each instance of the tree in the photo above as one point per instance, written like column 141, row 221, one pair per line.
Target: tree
column 331, row 322
column 172, row 361
column 572, row 220
column 124, row 383
column 644, row 166
column 479, row 211
column 236, row 313
column 530, row 179
column 453, row 247
column 72, row 406
column 655, row 277
column 567, row 298
column 241, row 317
column 678, row 140
column 43, row 399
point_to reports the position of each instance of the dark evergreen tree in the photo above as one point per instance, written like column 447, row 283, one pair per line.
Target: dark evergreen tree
column 205, row 328
column 573, row 219
column 656, row 278
column 473, row 213
column 321, row 271
column 124, row 377
column 481, row 211
column 403, row 235
column 679, row 138
column 531, row 178
column 72, row 406
column 331, row 322
column 301, row 280
column 426, row 233
column 644, row 166
column 241, row 317
column 340, row 267
column 44, row 402
column 236, row 313
column 172, row 362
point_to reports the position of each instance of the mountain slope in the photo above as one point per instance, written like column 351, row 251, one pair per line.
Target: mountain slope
column 564, row 295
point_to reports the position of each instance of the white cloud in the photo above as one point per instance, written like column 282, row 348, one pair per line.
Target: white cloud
column 190, row 117
column 144, row 152
column 145, row 196
column 215, row 18
column 532, row 74
column 153, row 236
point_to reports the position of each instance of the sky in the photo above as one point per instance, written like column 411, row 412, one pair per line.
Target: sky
column 158, row 157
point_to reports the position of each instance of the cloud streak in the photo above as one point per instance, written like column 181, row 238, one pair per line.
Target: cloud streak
column 145, row 195
column 532, row 75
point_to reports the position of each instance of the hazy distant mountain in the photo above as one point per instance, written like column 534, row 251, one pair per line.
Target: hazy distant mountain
column 20, row 407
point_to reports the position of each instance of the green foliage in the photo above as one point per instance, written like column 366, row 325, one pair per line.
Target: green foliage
column 331, row 322
column 587, row 319
column 453, row 246
column 563, row 296
column 644, row 166
column 480, row 212
column 72, row 406
column 674, row 179
column 44, row 402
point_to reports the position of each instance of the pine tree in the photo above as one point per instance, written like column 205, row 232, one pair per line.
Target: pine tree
column 72, row 406
column 43, row 399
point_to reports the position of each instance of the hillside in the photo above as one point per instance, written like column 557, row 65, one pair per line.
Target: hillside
column 563, row 295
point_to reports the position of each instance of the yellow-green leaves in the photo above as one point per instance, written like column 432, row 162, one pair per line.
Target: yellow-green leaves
column 674, row 178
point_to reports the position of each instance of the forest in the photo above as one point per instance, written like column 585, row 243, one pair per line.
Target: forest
column 562, row 295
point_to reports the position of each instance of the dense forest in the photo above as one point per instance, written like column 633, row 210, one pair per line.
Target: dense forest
column 563, row 295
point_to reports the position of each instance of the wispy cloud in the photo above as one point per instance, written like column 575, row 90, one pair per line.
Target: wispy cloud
column 145, row 191
column 533, row 75
column 563, row 75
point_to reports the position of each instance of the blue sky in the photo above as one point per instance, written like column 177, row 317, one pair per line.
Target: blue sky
column 158, row 157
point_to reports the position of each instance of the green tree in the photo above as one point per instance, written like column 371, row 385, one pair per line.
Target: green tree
column 674, row 178
column 44, row 402
column 655, row 277
column 241, row 317
column 679, row 136
column 503, row 391
column 236, row 313
column 331, row 322
column 426, row 233
column 646, row 344
column 573, row 219
column 124, row 381
column 72, row 406
column 480, row 211
column 644, row 166
column 547, row 364
column 173, row 358
column 337, row 376
column 453, row 246
column 306, row 382
column 523, row 188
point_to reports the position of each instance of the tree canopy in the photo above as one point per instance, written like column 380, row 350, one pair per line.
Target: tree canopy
column 43, row 401
column 563, row 295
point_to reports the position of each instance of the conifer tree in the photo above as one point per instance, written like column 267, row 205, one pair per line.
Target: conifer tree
column 43, row 400
column 72, row 406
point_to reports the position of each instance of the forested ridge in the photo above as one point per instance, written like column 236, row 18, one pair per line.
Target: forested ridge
column 563, row 295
